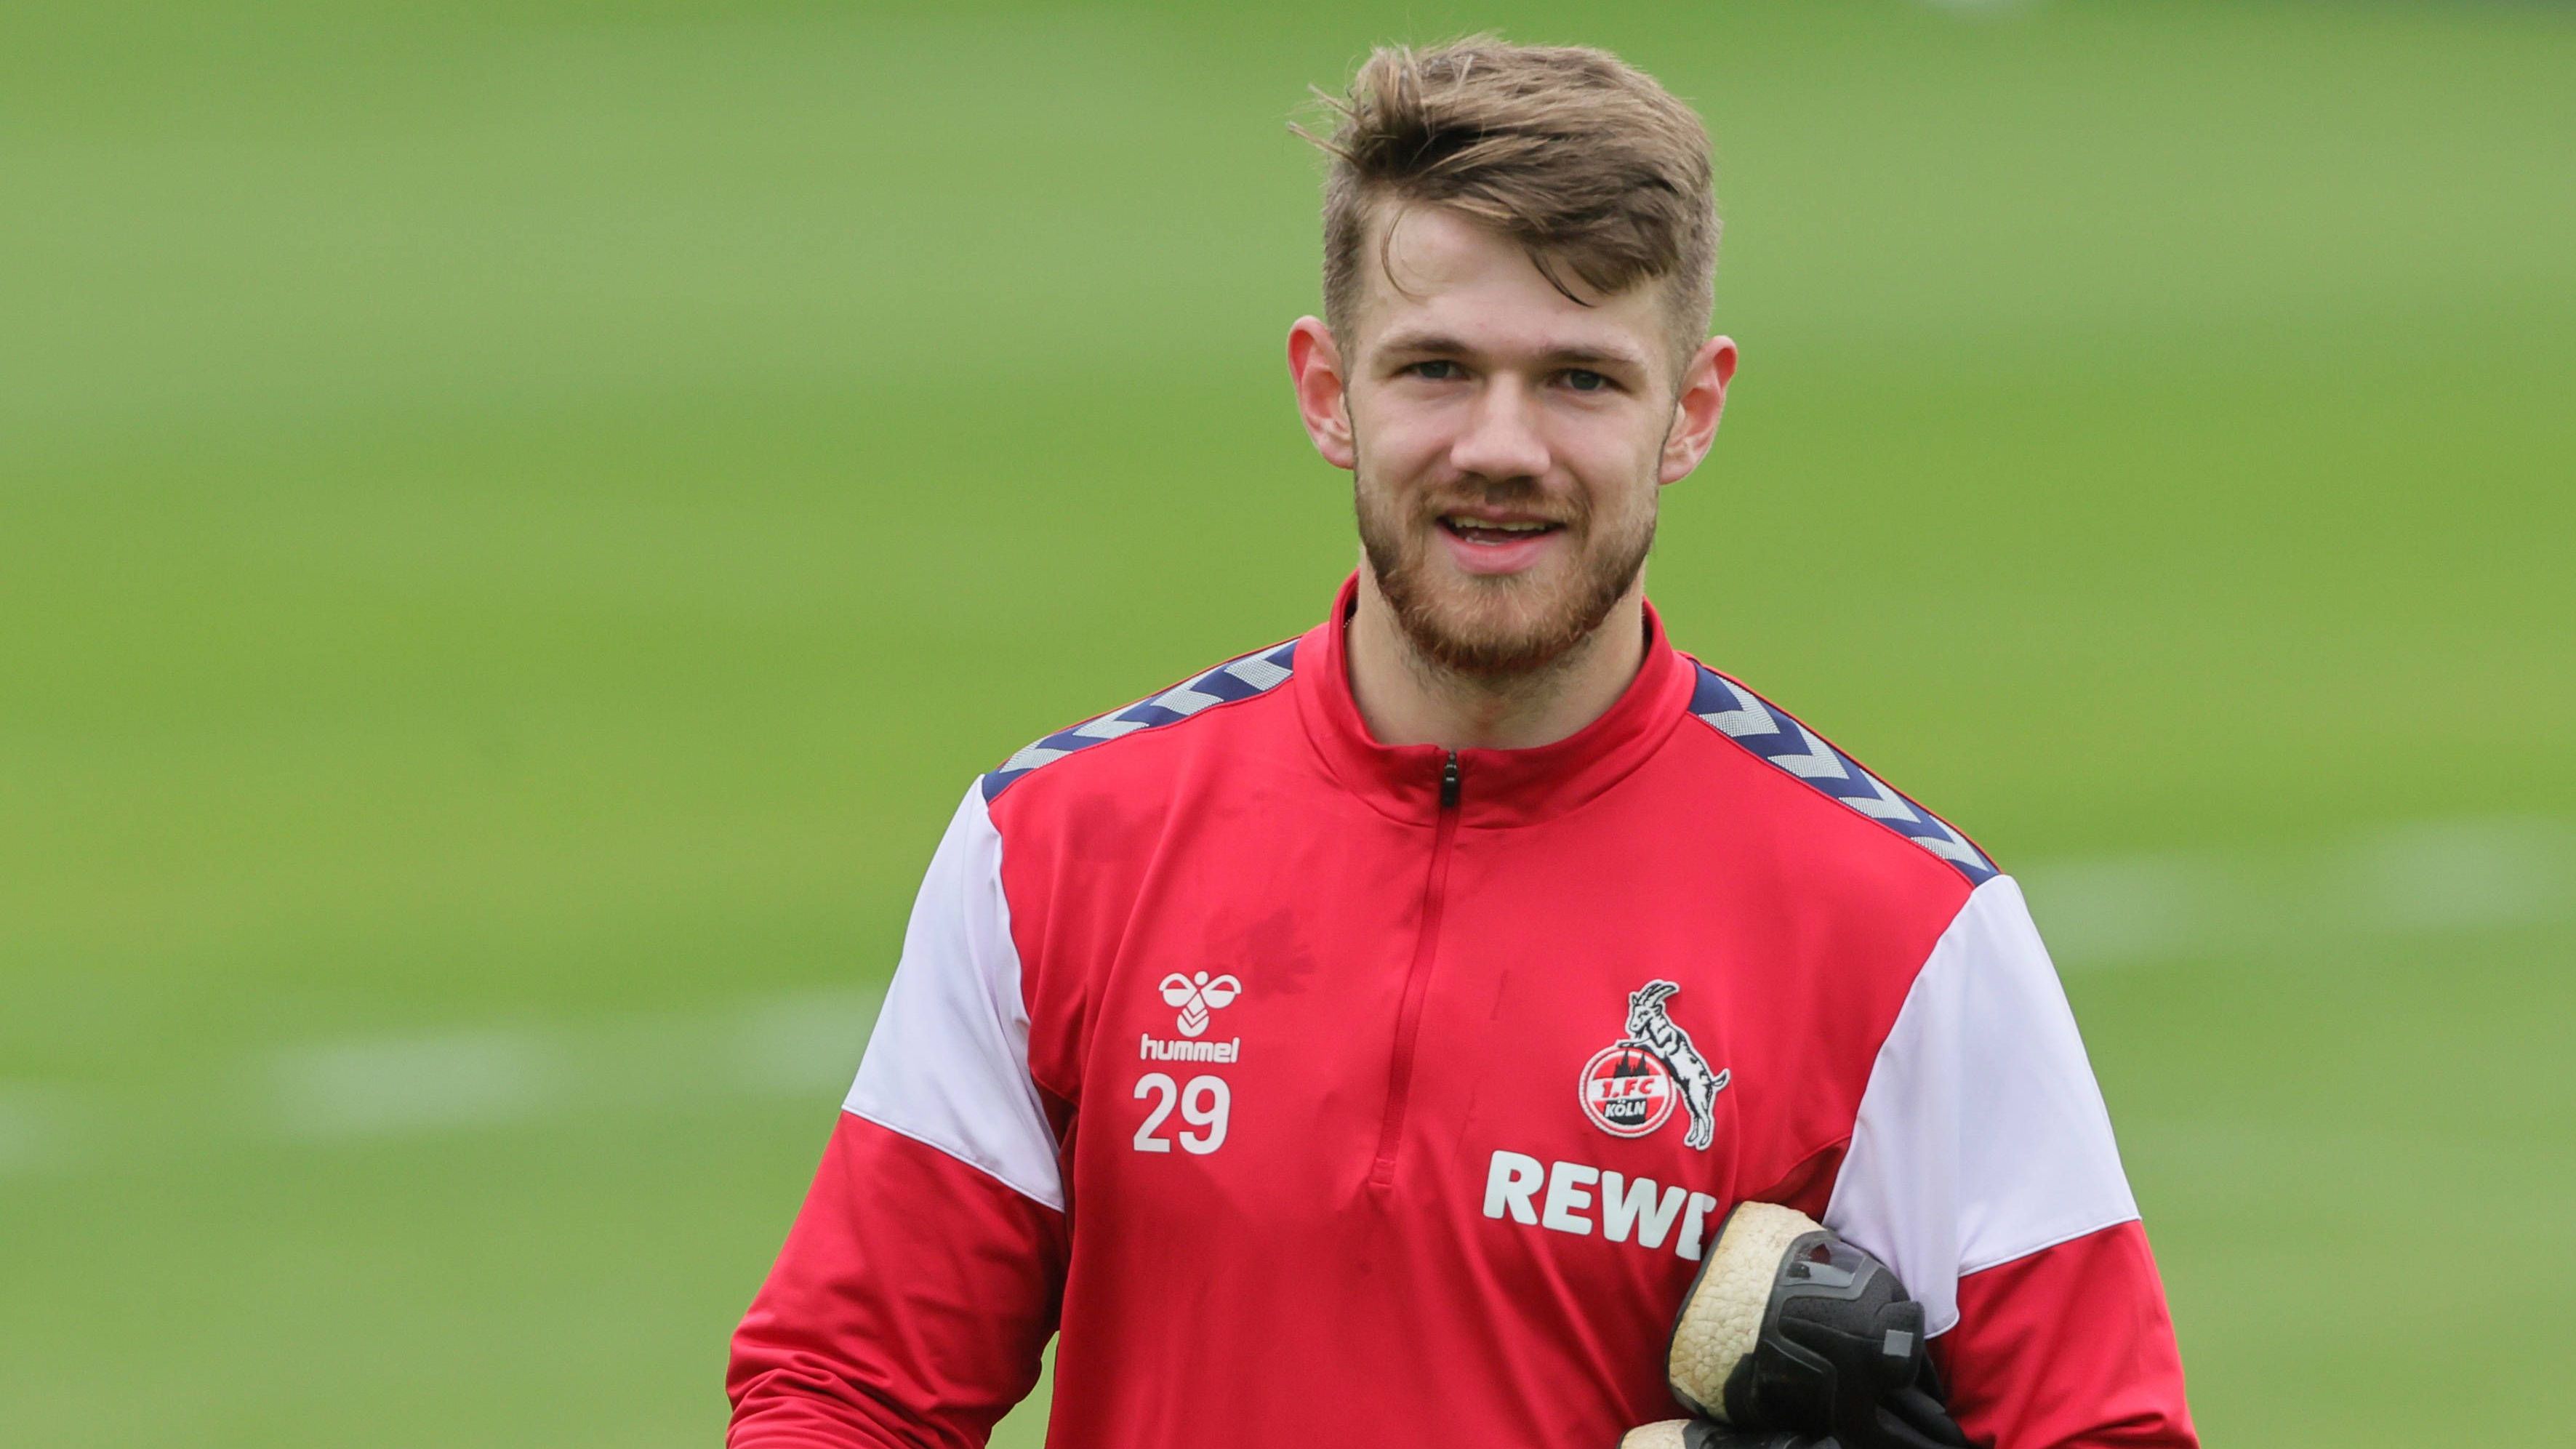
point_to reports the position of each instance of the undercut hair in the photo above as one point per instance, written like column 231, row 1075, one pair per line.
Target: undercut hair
column 1597, row 171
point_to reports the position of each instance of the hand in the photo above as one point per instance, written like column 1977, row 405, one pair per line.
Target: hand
column 1788, row 1327
column 1705, row 1434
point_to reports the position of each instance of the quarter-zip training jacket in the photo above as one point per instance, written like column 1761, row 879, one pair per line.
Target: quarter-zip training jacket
column 1327, row 1092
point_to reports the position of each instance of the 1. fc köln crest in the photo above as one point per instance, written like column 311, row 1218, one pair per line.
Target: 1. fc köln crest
column 1630, row 1087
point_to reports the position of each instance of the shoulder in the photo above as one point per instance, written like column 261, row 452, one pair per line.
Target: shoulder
column 1846, row 809
column 1080, row 818
column 1184, row 710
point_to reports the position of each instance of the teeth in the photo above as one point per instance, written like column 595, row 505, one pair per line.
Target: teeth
column 1514, row 527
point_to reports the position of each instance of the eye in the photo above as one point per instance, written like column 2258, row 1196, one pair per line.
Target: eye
column 1436, row 370
column 1584, row 379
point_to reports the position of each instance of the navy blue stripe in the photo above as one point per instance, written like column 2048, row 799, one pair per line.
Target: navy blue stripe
column 1778, row 737
column 1217, row 684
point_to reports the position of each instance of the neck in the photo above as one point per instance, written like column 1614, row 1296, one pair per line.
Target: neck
column 1407, row 698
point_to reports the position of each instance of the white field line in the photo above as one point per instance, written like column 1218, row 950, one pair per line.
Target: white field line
column 2441, row 878
column 803, row 1045
column 412, row 1084
column 41, row 1128
column 2438, row 877
column 373, row 1087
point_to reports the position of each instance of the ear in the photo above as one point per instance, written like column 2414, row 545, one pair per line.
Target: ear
column 1696, row 408
column 1323, row 390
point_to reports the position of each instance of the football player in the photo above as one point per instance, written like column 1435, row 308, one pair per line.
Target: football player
column 1359, row 1041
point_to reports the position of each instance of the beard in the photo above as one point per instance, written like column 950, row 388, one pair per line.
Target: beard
column 1496, row 626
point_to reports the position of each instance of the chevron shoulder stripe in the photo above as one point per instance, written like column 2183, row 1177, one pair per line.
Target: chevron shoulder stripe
column 1751, row 721
column 1256, row 673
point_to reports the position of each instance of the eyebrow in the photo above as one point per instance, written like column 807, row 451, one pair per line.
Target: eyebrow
column 1572, row 355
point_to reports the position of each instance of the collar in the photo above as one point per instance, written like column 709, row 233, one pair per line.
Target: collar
column 1498, row 789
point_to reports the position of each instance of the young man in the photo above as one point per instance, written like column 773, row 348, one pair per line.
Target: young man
column 1358, row 1042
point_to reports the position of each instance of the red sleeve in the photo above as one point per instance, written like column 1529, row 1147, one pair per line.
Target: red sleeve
column 909, row 1307
column 2068, row 1348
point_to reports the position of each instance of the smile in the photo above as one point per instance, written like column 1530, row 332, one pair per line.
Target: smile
column 1491, row 532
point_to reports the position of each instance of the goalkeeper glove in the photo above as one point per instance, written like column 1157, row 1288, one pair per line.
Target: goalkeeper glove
column 1788, row 1327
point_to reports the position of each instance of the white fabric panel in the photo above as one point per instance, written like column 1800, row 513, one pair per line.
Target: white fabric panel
column 1982, row 1137
column 948, row 1063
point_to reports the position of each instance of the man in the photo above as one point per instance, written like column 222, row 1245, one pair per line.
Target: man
column 1358, row 1042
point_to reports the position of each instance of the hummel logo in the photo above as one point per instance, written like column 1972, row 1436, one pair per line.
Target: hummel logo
column 1196, row 996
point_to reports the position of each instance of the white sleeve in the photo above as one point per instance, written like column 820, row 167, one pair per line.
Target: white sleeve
column 948, row 1063
column 1982, row 1137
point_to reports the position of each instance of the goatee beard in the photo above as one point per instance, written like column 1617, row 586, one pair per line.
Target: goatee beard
column 1489, row 644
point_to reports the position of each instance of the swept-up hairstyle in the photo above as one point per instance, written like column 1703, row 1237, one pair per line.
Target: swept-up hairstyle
column 1594, row 168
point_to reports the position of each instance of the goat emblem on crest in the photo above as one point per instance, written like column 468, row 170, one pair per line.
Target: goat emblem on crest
column 1629, row 1088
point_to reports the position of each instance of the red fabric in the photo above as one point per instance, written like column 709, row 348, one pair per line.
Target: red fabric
column 2069, row 1348
column 1422, row 990
column 909, row 1306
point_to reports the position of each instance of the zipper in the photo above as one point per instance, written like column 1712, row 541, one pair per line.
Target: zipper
column 1417, row 978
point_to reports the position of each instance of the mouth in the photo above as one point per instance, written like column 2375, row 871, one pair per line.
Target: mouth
column 1499, row 546
column 1496, row 532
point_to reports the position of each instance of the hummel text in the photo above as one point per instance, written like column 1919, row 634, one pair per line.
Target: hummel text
column 1155, row 1049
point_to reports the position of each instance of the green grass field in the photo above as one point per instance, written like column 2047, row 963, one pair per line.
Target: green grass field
column 517, row 521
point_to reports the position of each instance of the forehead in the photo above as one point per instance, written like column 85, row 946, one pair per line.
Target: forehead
column 1432, row 271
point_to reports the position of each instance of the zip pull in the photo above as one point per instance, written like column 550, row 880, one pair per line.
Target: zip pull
column 1449, row 782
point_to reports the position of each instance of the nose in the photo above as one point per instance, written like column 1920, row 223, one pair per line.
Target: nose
column 1501, row 437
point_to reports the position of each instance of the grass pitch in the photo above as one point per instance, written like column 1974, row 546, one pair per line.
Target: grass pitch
column 516, row 523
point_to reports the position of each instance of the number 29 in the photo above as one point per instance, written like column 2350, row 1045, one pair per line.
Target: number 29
column 1205, row 1103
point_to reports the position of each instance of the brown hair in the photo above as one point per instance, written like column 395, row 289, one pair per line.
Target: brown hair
column 1584, row 160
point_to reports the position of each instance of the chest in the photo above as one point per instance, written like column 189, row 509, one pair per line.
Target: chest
column 1519, row 1046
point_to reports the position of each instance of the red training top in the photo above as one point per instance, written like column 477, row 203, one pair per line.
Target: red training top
column 1326, row 1092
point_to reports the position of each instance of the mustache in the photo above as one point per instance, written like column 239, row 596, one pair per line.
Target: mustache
column 1517, row 495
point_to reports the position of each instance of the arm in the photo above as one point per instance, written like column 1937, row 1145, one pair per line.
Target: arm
column 919, row 1285
column 1982, row 1169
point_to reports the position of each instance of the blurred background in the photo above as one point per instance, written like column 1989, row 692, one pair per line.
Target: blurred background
column 518, row 520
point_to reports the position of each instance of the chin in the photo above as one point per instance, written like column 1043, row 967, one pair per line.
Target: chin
column 1495, row 625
